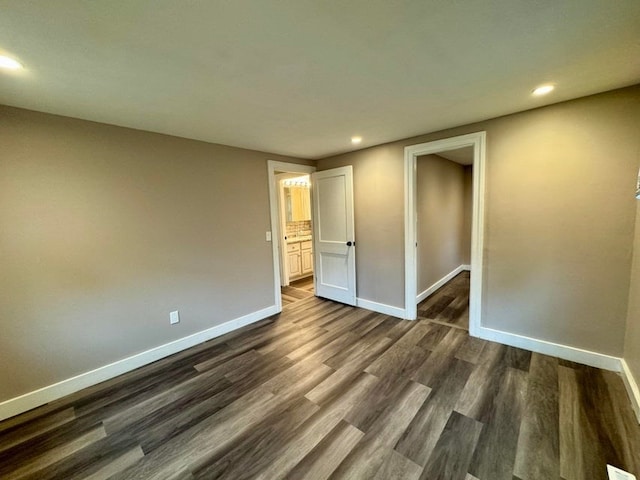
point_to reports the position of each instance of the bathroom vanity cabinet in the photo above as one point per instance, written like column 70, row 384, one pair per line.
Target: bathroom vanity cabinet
column 299, row 258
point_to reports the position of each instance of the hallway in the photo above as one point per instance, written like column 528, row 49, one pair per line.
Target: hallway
column 449, row 304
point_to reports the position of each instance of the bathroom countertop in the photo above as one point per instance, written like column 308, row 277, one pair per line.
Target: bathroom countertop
column 303, row 238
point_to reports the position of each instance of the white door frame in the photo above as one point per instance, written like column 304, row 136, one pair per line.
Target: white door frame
column 274, row 166
column 478, row 142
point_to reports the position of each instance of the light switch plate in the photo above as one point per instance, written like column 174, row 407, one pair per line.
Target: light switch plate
column 174, row 317
column 268, row 236
column 617, row 474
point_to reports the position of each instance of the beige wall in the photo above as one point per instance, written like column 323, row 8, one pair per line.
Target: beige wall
column 465, row 238
column 559, row 224
column 632, row 339
column 440, row 211
column 378, row 190
column 105, row 230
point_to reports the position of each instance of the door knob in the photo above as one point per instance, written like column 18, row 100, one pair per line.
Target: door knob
column 349, row 243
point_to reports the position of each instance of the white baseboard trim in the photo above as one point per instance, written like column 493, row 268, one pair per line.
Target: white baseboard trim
column 565, row 352
column 422, row 295
column 632, row 388
column 28, row 401
column 380, row 308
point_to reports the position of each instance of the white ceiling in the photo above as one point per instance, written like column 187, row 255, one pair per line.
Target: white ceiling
column 300, row 77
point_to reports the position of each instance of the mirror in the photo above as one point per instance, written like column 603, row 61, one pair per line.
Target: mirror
column 298, row 203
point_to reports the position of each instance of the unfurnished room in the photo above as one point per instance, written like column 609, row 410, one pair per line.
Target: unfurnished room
column 308, row 239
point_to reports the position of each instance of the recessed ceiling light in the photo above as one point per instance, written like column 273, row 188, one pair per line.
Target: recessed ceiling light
column 356, row 140
column 543, row 90
column 10, row 63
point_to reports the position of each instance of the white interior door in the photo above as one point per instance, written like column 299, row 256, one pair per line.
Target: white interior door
column 333, row 236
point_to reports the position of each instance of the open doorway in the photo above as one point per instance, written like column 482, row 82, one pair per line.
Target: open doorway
column 443, row 253
column 292, row 231
column 424, row 283
column 296, row 232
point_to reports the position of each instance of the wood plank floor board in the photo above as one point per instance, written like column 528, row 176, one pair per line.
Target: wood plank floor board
column 55, row 438
column 437, row 307
column 415, row 335
column 573, row 462
column 117, row 465
column 385, row 328
column 351, row 368
column 452, row 341
column 38, row 414
column 305, row 283
column 476, row 400
column 385, row 392
column 398, row 361
column 253, row 452
column 299, row 379
column 538, row 450
column 38, row 427
column 328, row 350
column 153, row 432
column 112, row 454
column 310, row 433
column 288, row 343
column 322, row 342
column 185, row 451
column 309, row 315
column 397, row 466
column 337, row 324
column 210, row 382
column 367, row 324
column 457, row 312
column 434, row 336
column 598, row 409
column 471, row 349
column 496, row 452
column 233, row 356
column 368, row 455
column 452, row 454
column 336, row 314
column 43, row 459
column 436, row 369
column 325, row 390
column 449, row 304
column 168, row 413
column 360, row 352
column 587, row 413
column 517, row 358
column 278, row 335
column 120, row 395
column 421, row 436
column 322, row 461
column 626, row 434
column 400, row 329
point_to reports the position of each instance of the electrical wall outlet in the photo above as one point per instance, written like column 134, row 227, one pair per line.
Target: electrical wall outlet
column 174, row 317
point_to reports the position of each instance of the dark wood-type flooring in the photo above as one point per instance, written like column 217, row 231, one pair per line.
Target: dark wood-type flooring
column 449, row 304
column 326, row 390
column 297, row 290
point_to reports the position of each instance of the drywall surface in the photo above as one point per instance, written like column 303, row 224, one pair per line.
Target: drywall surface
column 558, row 226
column 440, row 211
column 379, row 221
column 632, row 339
column 105, row 230
column 465, row 239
